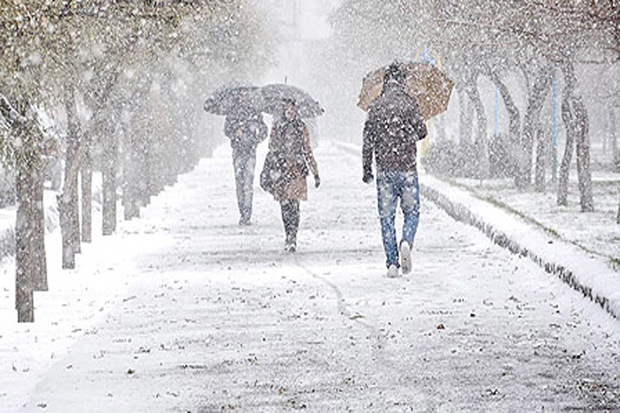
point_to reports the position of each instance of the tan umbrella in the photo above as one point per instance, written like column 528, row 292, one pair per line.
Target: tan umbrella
column 428, row 85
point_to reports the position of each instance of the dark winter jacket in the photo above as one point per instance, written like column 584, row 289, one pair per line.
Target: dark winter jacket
column 245, row 128
column 393, row 126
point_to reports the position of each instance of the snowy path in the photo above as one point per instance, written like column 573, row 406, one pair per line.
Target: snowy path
column 218, row 318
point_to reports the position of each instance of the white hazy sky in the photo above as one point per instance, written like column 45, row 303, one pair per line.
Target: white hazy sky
column 300, row 22
column 313, row 15
column 306, row 19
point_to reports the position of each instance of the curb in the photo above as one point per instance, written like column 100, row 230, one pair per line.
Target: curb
column 586, row 274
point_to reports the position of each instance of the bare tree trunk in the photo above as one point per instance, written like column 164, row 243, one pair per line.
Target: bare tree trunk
column 87, row 196
column 466, row 116
column 580, row 126
column 568, row 152
column 606, row 135
column 514, row 119
column 68, row 199
column 541, row 153
column 143, row 154
column 38, row 236
column 160, row 152
column 110, row 155
column 24, row 230
column 156, row 167
column 614, row 140
column 130, row 175
column 481, row 138
column 30, row 259
column 584, row 172
column 536, row 98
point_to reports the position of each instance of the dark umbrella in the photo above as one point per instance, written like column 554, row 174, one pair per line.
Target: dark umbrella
column 273, row 95
column 233, row 96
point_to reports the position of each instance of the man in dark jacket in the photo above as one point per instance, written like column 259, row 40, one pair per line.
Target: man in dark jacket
column 393, row 127
column 246, row 129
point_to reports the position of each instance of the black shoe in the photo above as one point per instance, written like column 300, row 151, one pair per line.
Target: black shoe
column 290, row 247
column 244, row 222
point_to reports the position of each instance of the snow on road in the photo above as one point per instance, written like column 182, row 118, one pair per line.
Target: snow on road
column 200, row 315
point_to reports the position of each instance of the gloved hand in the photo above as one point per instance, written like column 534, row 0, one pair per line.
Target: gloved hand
column 368, row 177
column 317, row 181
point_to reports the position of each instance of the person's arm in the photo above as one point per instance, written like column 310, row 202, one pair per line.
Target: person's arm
column 233, row 128
column 272, row 137
column 262, row 129
column 420, row 128
column 418, row 124
column 310, row 157
column 228, row 127
column 368, row 148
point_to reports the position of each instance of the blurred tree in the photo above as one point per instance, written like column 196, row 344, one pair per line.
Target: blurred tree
column 75, row 53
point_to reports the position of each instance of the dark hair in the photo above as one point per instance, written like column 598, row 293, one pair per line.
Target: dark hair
column 394, row 73
column 289, row 101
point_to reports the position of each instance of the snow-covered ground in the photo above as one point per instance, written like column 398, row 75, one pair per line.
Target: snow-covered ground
column 183, row 310
column 595, row 232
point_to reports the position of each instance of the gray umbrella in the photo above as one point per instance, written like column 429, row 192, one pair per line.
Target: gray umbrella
column 274, row 94
column 230, row 97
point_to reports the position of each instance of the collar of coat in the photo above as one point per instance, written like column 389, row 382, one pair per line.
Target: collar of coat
column 295, row 122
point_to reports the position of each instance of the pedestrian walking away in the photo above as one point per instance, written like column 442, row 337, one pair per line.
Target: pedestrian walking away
column 246, row 129
column 287, row 164
column 393, row 126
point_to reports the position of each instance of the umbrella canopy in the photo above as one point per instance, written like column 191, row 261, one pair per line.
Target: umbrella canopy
column 233, row 96
column 428, row 85
column 273, row 95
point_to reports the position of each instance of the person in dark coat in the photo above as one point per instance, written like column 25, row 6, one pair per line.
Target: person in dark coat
column 392, row 129
column 246, row 129
column 290, row 146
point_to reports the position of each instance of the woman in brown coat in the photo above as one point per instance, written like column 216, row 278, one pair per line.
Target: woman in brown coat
column 289, row 144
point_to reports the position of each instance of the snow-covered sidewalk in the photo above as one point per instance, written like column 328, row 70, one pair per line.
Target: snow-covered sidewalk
column 185, row 311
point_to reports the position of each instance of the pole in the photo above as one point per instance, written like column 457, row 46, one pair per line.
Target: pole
column 554, row 138
column 496, row 126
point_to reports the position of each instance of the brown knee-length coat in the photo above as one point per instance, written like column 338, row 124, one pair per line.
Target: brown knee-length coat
column 289, row 142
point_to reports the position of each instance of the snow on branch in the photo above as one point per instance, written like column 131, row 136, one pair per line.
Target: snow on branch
column 9, row 114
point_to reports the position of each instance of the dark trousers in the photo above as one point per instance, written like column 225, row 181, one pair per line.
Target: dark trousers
column 244, row 161
column 290, row 219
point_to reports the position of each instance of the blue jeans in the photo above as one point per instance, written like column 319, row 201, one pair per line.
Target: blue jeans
column 392, row 185
column 244, row 162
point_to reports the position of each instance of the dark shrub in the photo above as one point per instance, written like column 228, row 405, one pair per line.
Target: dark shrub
column 502, row 157
column 450, row 159
column 463, row 160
